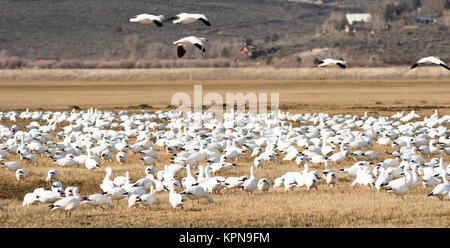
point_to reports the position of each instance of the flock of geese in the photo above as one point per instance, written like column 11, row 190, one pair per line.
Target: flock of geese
column 199, row 141
column 184, row 43
column 183, row 18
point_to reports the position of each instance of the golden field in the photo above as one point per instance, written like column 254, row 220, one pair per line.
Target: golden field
column 342, row 206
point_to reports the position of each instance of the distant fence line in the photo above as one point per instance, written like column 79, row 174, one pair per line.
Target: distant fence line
column 257, row 73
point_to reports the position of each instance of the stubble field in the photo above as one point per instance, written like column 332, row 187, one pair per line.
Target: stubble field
column 342, row 206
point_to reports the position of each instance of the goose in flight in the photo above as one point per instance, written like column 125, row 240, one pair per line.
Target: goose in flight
column 184, row 43
column 148, row 19
column 333, row 62
column 185, row 18
column 430, row 60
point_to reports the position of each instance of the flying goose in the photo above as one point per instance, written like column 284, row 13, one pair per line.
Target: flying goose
column 430, row 60
column 333, row 62
column 185, row 18
column 148, row 19
column 184, row 43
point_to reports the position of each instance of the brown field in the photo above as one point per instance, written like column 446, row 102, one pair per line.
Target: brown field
column 343, row 206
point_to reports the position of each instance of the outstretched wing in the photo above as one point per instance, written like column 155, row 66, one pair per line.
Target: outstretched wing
column 200, row 47
column 445, row 66
column 343, row 66
column 414, row 66
column 181, row 51
column 158, row 23
column 205, row 21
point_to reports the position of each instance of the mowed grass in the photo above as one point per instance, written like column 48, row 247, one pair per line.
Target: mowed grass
column 342, row 206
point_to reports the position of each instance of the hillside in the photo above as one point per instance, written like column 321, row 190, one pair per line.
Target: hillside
column 287, row 33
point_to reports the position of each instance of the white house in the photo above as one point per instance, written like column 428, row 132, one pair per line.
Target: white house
column 358, row 17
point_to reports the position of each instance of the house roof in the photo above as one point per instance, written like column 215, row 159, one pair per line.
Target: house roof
column 358, row 17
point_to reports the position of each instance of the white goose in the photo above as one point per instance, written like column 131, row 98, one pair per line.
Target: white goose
column 30, row 199
column 97, row 200
column 12, row 166
column 121, row 157
column 20, row 174
column 333, row 62
column 442, row 189
column 121, row 180
column 250, row 184
column 175, row 199
column 264, row 184
column 184, row 43
column 107, row 184
column 430, row 60
column 52, row 175
column 147, row 200
column 331, row 178
column 68, row 203
column 148, row 19
column 185, row 18
column 197, row 193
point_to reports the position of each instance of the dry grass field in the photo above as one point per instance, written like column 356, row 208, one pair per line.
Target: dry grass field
column 342, row 206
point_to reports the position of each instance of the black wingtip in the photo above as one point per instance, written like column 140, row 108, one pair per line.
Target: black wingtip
column 414, row 66
column 181, row 51
column 343, row 66
column 205, row 21
column 445, row 66
column 159, row 24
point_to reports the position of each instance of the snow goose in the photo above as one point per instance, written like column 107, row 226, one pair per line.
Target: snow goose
column 364, row 175
column 185, row 18
column 184, row 43
column 442, row 189
column 264, row 184
column 150, row 170
column 258, row 162
column 121, row 180
column 48, row 196
column 107, row 184
column 333, row 62
column 148, row 19
column 400, row 189
column 147, row 199
column 289, row 183
column 30, row 199
column 189, row 180
column 197, row 192
column 20, row 174
column 331, row 178
column 235, row 182
column 351, row 171
column 52, row 175
column 12, row 166
column 121, row 157
column 117, row 193
column 91, row 163
column 250, row 184
column 97, row 200
column 133, row 200
column 339, row 156
column 145, row 183
column 175, row 199
column 430, row 60
column 68, row 203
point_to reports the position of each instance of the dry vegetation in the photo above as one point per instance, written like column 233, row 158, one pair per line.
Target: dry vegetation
column 343, row 206
column 256, row 73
